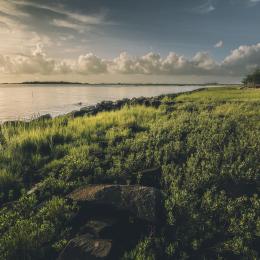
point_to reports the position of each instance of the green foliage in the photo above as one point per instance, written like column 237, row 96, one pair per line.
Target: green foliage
column 143, row 250
column 9, row 186
column 207, row 144
column 29, row 233
column 252, row 78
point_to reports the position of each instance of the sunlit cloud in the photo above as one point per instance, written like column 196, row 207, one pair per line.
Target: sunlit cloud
column 61, row 9
column 86, row 40
column 19, row 25
column 240, row 60
column 68, row 25
column 10, row 9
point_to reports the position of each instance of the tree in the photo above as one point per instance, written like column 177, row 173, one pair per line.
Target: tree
column 253, row 78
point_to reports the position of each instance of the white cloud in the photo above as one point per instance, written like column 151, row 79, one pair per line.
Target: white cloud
column 148, row 64
column 153, row 63
column 60, row 9
column 19, row 27
column 205, row 8
column 202, row 60
column 174, row 63
column 219, row 44
column 240, row 61
column 243, row 59
column 123, row 64
column 17, row 36
column 253, row 2
column 36, row 62
column 90, row 64
column 69, row 20
column 10, row 9
column 68, row 25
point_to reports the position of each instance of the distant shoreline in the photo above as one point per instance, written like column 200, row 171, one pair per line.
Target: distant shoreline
column 116, row 84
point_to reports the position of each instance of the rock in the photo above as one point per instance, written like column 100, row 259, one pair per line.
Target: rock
column 97, row 227
column 70, row 114
column 105, row 106
column 76, row 113
column 137, row 101
column 155, row 103
column 90, row 110
column 146, row 102
column 43, row 117
column 85, row 247
column 120, row 103
column 142, row 202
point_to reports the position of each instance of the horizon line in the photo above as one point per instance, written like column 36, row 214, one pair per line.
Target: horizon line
column 118, row 83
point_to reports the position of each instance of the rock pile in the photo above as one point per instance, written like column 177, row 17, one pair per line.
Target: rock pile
column 111, row 217
column 110, row 105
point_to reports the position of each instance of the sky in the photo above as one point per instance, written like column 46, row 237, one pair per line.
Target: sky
column 148, row 41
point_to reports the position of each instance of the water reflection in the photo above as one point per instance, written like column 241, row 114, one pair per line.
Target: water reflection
column 27, row 101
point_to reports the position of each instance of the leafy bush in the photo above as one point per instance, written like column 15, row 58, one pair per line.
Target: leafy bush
column 30, row 233
column 9, row 186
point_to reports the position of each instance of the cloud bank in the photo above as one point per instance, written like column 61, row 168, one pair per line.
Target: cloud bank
column 242, row 60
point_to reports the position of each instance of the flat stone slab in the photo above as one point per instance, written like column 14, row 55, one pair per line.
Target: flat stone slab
column 85, row 247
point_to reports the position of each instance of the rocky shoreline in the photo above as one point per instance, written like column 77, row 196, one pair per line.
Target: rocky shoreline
column 102, row 107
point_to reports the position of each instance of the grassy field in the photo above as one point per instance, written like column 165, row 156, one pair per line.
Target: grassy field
column 207, row 144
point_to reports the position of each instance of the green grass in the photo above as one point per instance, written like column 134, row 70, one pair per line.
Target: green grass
column 206, row 142
column 222, row 94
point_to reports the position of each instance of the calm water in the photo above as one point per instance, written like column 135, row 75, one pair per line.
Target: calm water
column 27, row 101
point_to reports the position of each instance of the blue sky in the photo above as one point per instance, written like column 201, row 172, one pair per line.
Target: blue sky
column 120, row 40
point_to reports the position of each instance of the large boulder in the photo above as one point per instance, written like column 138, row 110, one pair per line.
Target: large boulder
column 86, row 247
column 98, row 227
column 142, row 202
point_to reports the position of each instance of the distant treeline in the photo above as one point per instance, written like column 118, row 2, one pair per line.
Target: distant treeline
column 120, row 83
